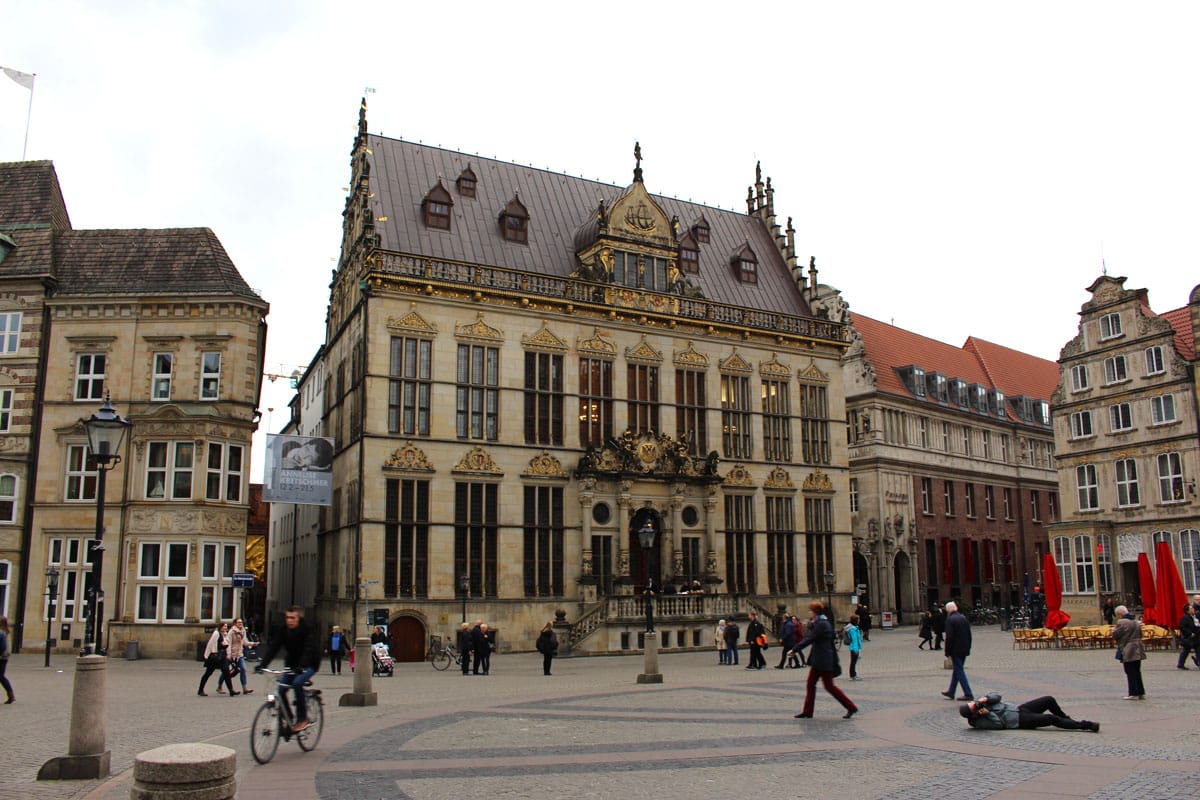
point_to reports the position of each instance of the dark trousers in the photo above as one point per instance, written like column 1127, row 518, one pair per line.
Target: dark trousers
column 335, row 663
column 1044, row 712
column 1133, row 677
column 926, row 639
column 756, row 656
column 1183, row 654
column 546, row 659
column 3, row 680
column 783, row 655
column 483, row 661
column 215, row 665
column 826, row 678
column 937, row 641
column 853, row 664
column 733, row 653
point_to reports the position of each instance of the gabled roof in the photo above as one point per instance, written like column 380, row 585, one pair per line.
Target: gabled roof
column 559, row 205
column 889, row 349
column 1185, row 338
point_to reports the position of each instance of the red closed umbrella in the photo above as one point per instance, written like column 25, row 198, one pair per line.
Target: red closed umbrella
column 1056, row 618
column 1171, row 595
column 1146, row 583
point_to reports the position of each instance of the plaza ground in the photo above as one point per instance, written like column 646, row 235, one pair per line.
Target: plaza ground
column 589, row 731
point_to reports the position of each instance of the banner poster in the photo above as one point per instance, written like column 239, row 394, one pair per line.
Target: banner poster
column 299, row 469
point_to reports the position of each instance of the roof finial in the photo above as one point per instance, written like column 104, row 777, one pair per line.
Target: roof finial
column 362, row 117
column 637, row 167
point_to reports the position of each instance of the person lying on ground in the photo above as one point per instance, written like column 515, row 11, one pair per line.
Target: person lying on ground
column 993, row 714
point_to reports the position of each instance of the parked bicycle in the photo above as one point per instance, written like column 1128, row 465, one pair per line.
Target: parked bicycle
column 442, row 656
column 274, row 719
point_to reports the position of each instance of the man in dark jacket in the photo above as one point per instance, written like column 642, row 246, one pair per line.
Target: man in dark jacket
column 1037, row 607
column 302, row 655
column 787, row 638
column 756, row 633
column 482, row 646
column 993, row 714
column 958, row 647
column 864, row 621
column 822, row 662
column 732, row 633
column 464, row 648
column 939, row 626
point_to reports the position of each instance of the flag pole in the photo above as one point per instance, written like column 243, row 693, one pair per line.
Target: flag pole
column 28, row 114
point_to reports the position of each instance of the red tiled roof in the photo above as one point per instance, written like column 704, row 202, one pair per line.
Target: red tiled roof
column 889, row 349
column 1185, row 340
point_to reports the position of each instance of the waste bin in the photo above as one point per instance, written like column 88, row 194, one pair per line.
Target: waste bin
column 131, row 650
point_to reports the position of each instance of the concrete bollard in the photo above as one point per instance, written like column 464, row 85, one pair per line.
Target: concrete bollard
column 363, row 695
column 185, row 771
column 651, row 673
column 87, row 756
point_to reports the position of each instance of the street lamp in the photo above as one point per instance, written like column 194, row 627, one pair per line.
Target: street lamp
column 646, row 540
column 829, row 595
column 51, row 594
column 464, row 586
column 105, row 430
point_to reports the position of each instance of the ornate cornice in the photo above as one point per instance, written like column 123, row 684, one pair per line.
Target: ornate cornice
column 812, row 373
column 643, row 353
column 690, row 358
column 412, row 323
column 597, row 346
column 478, row 331
column 544, row 339
column 779, row 478
column 773, row 370
column 735, row 363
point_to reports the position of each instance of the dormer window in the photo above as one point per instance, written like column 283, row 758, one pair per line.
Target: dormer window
column 514, row 221
column 700, row 230
column 937, row 387
column 689, row 255
column 745, row 264
column 436, row 207
column 958, row 389
column 996, row 403
column 466, row 182
column 916, row 380
column 979, row 398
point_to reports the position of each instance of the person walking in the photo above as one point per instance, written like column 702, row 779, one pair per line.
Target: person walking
column 958, row 647
column 756, row 635
column 787, row 638
column 4, row 652
column 719, row 641
column 926, row 631
column 239, row 639
column 864, row 621
column 822, row 663
column 732, row 634
column 1130, row 652
column 1188, row 637
column 338, row 647
column 216, row 658
column 1109, row 610
column 1037, row 607
column 464, row 647
column 854, row 640
column 547, row 645
column 939, row 626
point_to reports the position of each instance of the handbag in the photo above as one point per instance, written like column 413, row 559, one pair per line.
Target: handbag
column 947, row 663
column 1119, row 656
column 837, row 665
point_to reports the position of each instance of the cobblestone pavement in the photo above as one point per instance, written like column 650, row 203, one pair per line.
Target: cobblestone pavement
column 589, row 731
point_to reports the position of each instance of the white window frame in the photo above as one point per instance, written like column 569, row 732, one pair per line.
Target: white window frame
column 162, row 366
column 1104, row 563
column 1004, row 448
column 1154, row 360
column 1079, row 378
column 1189, row 559
column 946, row 437
column 1085, row 570
column 989, row 502
column 1081, row 425
column 1115, row 370
column 1162, row 409
column 77, row 465
column 1129, row 493
column 1062, row 558
column 927, row 495
column 218, row 562
column 1087, row 487
column 969, row 499
column 1035, row 506
column 73, row 560
column 1008, row 503
column 170, row 469
column 923, row 428
column 8, row 499
column 1170, row 477
column 210, row 375
column 165, row 587
column 90, row 377
column 6, row 407
column 5, row 585
column 854, row 495
column 224, row 476
column 987, row 445
column 10, row 333
column 1120, row 418
column 1110, row 326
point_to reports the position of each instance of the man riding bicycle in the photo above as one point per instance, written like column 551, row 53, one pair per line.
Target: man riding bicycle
column 302, row 646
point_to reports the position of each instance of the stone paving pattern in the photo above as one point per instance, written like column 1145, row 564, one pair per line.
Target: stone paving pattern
column 589, row 731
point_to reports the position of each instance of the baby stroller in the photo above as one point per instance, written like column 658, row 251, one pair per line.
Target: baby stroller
column 381, row 661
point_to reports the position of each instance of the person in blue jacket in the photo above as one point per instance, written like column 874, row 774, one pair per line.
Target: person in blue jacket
column 854, row 642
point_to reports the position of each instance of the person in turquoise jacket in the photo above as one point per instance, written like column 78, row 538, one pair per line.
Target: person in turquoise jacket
column 854, row 642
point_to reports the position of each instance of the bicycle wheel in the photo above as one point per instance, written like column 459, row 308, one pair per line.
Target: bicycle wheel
column 308, row 738
column 441, row 661
column 264, row 733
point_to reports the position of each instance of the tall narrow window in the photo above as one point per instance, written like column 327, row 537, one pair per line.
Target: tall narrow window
column 1154, row 360
column 10, row 332
column 643, row 397
column 690, row 409
column 739, row 543
column 926, row 495
column 1127, row 483
column 210, row 376
column 8, row 498
column 160, row 380
column 923, row 431
column 946, row 437
column 223, row 478
column 1104, row 563
column 781, row 546
column 81, row 473
column 476, row 536
column 1189, row 559
column 406, row 538
column 89, row 376
column 776, row 410
column 478, row 392
column 1008, row 503
column 948, row 497
column 6, row 408
column 989, row 502
column 735, row 416
column 1087, row 487
column 543, row 398
column 1162, row 409
column 1035, row 505
column 818, row 540
column 410, row 385
column 814, row 424
column 543, row 544
column 854, row 495
column 969, row 497
column 1062, row 558
column 1085, row 582
column 595, row 401
column 1170, row 478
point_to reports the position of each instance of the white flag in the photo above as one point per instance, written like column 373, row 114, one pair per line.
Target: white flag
column 23, row 78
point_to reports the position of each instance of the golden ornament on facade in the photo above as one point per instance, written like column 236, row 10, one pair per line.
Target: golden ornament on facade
column 477, row 461
column 690, row 357
column 779, row 478
column 812, row 373
column 818, row 481
column 544, row 339
column 735, row 363
column 544, row 465
column 739, row 476
column 408, row 458
column 773, row 369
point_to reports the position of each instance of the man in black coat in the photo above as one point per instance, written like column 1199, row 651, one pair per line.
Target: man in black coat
column 464, row 648
column 302, row 648
column 958, row 647
column 756, row 634
column 1037, row 607
column 787, row 638
column 939, row 626
column 482, row 647
column 732, row 633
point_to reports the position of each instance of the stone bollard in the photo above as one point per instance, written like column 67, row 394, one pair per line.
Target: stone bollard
column 191, row 771
column 87, row 756
column 651, row 673
column 362, row 694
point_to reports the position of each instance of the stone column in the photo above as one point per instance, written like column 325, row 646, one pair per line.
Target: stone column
column 363, row 694
column 710, row 537
column 650, row 673
column 179, row 771
column 677, row 533
column 87, row 756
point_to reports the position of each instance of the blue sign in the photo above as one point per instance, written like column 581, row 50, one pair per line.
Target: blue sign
column 243, row 580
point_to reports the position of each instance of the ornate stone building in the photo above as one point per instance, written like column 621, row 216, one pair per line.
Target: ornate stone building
column 161, row 322
column 952, row 474
column 1125, row 424
column 524, row 369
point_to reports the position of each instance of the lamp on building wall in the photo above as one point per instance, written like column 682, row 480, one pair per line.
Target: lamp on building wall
column 646, row 540
column 829, row 579
column 51, row 596
column 106, row 430
column 464, row 586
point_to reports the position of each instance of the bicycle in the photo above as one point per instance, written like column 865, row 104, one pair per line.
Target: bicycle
column 441, row 658
column 273, row 720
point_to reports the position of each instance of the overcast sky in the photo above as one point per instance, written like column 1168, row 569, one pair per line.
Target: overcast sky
column 958, row 168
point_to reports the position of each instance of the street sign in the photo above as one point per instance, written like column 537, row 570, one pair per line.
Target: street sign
column 243, row 580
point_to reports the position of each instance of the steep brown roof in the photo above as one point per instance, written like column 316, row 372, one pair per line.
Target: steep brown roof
column 1185, row 338
column 166, row 261
column 1013, row 372
column 31, row 197
column 558, row 205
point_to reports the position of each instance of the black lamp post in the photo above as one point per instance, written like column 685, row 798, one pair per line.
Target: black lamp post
column 52, row 595
column 105, row 431
column 646, row 540
column 464, row 586
column 829, row 595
